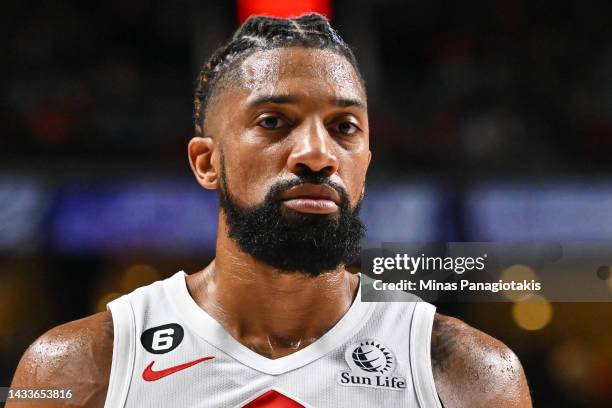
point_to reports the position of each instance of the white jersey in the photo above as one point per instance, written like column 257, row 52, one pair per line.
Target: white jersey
column 168, row 352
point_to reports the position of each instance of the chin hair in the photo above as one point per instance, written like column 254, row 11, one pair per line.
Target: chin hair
column 290, row 241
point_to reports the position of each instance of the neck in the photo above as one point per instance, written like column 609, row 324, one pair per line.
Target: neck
column 271, row 312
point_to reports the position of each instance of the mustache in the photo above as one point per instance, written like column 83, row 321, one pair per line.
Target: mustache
column 311, row 178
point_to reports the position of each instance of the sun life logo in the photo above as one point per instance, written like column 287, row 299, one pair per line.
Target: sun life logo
column 371, row 365
column 372, row 357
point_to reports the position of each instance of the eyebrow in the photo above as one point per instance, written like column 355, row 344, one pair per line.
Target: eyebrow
column 346, row 102
column 285, row 99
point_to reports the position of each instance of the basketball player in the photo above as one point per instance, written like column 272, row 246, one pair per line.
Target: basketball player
column 275, row 320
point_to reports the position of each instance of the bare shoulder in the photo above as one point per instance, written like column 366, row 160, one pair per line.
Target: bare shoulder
column 472, row 369
column 75, row 356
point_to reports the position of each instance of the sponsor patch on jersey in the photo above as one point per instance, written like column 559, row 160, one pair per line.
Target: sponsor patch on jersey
column 162, row 339
column 371, row 364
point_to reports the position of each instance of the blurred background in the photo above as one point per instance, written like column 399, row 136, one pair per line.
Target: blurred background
column 490, row 121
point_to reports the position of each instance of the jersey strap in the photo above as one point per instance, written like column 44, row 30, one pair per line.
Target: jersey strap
column 420, row 355
column 124, row 352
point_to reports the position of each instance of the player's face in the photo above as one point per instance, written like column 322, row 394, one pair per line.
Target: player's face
column 296, row 111
column 289, row 157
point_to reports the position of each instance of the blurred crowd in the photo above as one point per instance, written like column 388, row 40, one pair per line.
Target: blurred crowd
column 490, row 86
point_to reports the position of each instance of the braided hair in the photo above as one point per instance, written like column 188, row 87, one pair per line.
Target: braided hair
column 264, row 33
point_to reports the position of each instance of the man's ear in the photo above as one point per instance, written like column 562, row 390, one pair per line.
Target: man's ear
column 202, row 158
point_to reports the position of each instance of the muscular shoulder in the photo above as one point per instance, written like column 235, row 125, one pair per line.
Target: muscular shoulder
column 75, row 356
column 472, row 369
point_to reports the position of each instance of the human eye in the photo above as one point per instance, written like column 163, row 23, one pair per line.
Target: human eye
column 345, row 127
column 272, row 122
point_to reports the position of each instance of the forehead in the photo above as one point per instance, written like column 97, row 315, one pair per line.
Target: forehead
column 295, row 70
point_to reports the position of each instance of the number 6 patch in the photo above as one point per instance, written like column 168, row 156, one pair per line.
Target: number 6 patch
column 162, row 339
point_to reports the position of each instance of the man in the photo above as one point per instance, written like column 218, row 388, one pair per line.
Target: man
column 276, row 319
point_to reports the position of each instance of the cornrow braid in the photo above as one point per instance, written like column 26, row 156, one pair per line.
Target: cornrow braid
column 263, row 33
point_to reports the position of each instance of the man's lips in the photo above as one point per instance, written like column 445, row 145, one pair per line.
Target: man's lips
column 312, row 199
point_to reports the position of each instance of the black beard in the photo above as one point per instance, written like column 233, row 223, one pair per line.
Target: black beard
column 291, row 241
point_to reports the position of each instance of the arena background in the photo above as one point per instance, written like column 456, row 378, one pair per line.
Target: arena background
column 490, row 121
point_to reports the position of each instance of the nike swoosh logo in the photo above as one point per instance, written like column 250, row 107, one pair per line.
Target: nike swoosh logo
column 149, row 375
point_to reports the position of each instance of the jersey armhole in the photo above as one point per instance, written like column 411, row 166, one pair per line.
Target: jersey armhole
column 420, row 355
column 124, row 351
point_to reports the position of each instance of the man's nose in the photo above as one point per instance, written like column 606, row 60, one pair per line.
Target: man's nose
column 313, row 149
